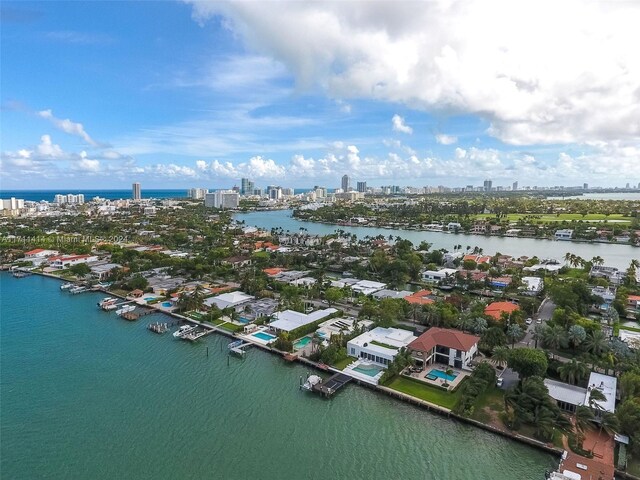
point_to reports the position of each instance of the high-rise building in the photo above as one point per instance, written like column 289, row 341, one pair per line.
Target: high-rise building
column 12, row 203
column 585, row 186
column 197, row 193
column 361, row 187
column 274, row 192
column 346, row 183
column 136, row 191
column 515, row 186
column 487, row 185
column 224, row 199
column 246, row 187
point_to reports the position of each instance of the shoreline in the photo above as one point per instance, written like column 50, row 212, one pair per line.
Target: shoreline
column 471, row 234
column 437, row 409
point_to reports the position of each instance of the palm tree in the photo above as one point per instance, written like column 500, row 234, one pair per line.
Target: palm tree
column 596, row 396
column 609, row 423
column 583, row 418
column 596, row 342
column 538, row 332
column 500, row 355
column 553, row 337
column 514, row 332
column 573, row 371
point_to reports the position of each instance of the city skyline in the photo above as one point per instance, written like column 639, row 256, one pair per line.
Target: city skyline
column 87, row 99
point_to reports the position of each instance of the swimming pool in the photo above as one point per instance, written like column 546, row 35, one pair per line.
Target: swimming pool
column 434, row 372
column 148, row 299
column 303, row 342
column 244, row 320
column 167, row 304
column 371, row 370
column 264, row 336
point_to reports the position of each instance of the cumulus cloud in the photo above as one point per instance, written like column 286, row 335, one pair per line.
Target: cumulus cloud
column 399, row 125
column 577, row 82
column 443, row 139
column 68, row 126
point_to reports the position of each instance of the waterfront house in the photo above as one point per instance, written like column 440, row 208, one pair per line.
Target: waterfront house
column 235, row 300
column 477, row 258
column 435, row 276
column 380, row 345
column 66, row 261
column 345, row 325
column 496, row 309
column 564, row 234
column 289, row 320
column 102, row 271
column 444, row 345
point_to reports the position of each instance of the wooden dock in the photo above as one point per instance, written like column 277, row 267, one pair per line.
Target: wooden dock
column 331, row 386
column 135, row 314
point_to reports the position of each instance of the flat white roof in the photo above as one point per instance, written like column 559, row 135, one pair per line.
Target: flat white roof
column 533, row 283
column 607, row 385
column 563, row 392
column 290, row 320
column 394, row 337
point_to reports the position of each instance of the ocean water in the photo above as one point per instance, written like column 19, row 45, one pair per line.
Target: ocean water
column 85, row 394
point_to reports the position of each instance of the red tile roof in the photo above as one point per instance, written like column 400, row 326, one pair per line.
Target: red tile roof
column 420, row 298
column 273, row 271
column 495, row 309
column 445, row 337
column 33, row 252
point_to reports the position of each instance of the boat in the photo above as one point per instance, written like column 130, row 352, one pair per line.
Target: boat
column 125, row 309
column 311, row 381
column 106, row 301
column 66, row 286
column 110, row 306
column 78, row 289
column 183, row 330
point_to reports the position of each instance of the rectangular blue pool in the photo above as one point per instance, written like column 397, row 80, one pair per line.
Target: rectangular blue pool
column 264, row 336
column 434, row 372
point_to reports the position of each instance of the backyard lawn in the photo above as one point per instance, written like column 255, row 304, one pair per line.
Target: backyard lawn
column 343, row 363
column 425, row 392
column 488, row 405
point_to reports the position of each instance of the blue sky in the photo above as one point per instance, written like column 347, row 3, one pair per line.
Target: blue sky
column 182, row 94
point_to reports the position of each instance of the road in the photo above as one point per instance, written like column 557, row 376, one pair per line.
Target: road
column 545, row 312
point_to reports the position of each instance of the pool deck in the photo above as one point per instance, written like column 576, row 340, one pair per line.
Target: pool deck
column 438, row 382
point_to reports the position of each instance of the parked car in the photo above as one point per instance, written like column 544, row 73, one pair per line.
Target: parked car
column 539, row 321
column 529, row 321
column 499, row 382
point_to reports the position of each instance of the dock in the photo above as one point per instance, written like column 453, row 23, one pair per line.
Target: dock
column 196, row 334
column 135, row 314
column 238, row 347
column 162, row 327
column 326, row 388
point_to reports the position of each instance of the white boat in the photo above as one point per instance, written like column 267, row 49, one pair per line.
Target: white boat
column 110, row 306
column 106, row 301
column 125, row 309
column 66, row 286
column 311, row 381
column 183, row 330
column 78, row 289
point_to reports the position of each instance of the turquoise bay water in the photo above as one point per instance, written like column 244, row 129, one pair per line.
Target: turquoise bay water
column 87, row 395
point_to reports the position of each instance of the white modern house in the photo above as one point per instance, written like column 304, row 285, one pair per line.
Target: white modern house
column 235, row 300
column 435, row 276
column 564, row 234
column 290, row 320
column 62, row 262
column 380, row 345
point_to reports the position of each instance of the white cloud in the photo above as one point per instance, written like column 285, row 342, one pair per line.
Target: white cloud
column 68, row 126
column 443, row 139
column 400, row 126
column 47, row 148
column 576, row 82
